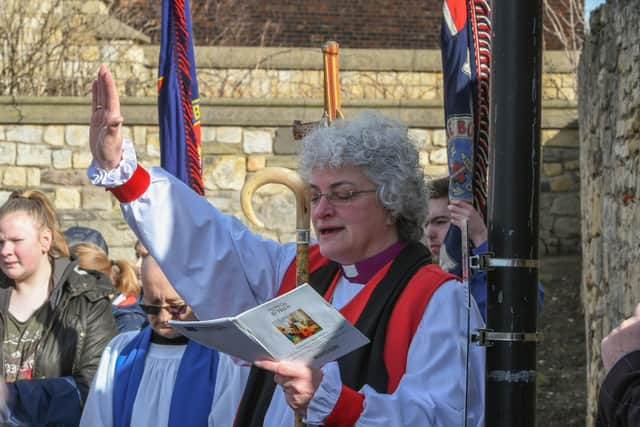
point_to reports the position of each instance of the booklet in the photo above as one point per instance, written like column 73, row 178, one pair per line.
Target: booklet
column 297, row 326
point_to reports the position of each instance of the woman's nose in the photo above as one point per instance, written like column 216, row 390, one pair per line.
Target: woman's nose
column 322, row 208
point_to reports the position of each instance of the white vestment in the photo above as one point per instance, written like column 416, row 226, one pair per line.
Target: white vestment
column 153, row 400
column 221, row 268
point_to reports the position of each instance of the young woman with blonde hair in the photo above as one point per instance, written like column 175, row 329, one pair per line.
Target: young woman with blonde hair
column 55, row 319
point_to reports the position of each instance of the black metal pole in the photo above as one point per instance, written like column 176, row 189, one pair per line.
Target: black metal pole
column 513, row 212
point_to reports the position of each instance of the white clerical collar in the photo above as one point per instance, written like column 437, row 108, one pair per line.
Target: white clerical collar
column 362, row 271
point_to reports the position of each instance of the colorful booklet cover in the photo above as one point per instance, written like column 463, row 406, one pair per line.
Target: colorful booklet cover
column 297, row 326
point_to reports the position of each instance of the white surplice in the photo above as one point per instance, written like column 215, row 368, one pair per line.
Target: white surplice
column 221, row 268
column 153, row 400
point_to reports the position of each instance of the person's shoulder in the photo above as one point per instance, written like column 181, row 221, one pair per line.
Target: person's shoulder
column 94, row 285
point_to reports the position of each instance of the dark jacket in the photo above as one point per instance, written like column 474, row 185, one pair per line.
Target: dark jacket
column 619, row 398
column 80, row 326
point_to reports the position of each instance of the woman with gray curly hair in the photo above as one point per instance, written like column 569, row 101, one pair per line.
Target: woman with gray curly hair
column 367, row 209
column 381, row 148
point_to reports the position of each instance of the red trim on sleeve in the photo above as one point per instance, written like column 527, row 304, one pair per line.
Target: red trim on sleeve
column 134, row 187
column 347, row 410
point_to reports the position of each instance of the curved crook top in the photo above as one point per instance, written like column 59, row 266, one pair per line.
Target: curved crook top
column 277, row 175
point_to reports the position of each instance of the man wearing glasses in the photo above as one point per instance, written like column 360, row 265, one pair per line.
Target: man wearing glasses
column 157, row 377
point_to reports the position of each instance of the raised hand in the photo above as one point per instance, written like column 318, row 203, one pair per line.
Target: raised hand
column 105, row 132
column 298, row 382
column 475, row 225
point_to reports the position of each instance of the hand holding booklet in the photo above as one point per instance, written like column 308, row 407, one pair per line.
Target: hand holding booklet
column 297, row 326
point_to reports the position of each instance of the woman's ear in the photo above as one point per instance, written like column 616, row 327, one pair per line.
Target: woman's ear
column 46, row 239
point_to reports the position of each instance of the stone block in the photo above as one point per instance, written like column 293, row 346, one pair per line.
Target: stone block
column 546, row 221
column 435, row 171
column 421, row 137
column 127, row 133
column 126, row 253
column 560, row 138
column 54, row 135
column 414, row 92
column 225, row 172
column 153, row 144
column 33, row 155
column 284, row 143
column 572, row 165
column 567, row 94
column 7, row 153
column 257, row 141
column 568, row 205
column 81, row 159
column 64, row 177
column 563, row 183
column 61, row 159
column 423, row 158
column 255, row 163
column 33, row 177
column 15, row 177
column 274, row 206
column 208, row 134
column 438, row 157
column 118, row 233
column 429, row 79
column 96, row 198
column 546, row 200
column 289, row 162
column 77, row 136
column 139, row 135
column 549, row 93
column 31, row 134
column 67, row 198
column 551, row 169
column 217, row 148
column 567, row 226
column 229, row 135
column 439, row 137
column 2, row 134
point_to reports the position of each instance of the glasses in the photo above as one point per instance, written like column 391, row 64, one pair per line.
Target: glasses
column 154, row 310
column 337, row 197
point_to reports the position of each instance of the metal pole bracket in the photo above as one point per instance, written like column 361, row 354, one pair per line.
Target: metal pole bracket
column 486, row 262
column 487, row 337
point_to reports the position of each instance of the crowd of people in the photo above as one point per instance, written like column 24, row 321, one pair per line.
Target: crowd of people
column 86, row 339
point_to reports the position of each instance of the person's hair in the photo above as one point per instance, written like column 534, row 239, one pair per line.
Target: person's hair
column 438, row 188
column 381, row 147
column 121, row 272
column 37, row 206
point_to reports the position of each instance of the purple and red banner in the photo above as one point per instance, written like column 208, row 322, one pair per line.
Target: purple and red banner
column 178, row 99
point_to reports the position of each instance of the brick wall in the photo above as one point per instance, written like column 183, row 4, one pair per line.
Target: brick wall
column 382, row 24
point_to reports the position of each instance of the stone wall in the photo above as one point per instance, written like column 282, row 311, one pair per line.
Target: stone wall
column 44, row 141
column 609, row 81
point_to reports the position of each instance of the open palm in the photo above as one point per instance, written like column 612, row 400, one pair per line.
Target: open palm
column 105, row 133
